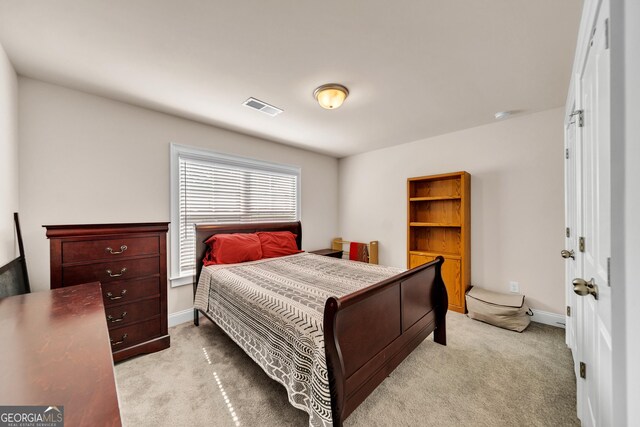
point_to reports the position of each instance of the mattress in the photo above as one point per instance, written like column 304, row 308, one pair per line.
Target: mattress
column 273, row 309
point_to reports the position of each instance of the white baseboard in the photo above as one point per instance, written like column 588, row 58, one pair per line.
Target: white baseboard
column 553, row 319
column 180, row 317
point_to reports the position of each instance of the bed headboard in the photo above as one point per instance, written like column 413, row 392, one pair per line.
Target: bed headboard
column 14, row 279
column 204, row 231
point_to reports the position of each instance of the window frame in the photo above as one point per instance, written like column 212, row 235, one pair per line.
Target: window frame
column 178, row 151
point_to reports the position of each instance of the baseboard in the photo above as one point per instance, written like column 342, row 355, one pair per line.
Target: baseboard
column 553, row 319
column 180, row 317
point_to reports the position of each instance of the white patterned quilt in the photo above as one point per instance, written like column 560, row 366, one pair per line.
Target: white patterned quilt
column 273, row 309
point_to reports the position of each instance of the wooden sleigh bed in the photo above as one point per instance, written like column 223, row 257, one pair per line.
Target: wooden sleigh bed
column 368, row 333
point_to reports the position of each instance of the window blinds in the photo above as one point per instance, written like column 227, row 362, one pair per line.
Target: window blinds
column 225, row 190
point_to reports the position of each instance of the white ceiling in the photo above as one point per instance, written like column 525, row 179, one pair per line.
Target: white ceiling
column 415, row 69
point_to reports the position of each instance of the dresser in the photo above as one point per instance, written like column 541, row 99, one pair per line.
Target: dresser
column 130, row 262
column 59, row 356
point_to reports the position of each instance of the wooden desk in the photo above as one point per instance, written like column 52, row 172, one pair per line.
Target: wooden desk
column 56, row 351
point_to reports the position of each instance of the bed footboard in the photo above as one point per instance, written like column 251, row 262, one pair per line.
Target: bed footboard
column 368, row 333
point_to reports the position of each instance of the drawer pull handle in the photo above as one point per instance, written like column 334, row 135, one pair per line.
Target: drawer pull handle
column 122, row 249
column 113, row 298
column 122, row 271
column 112, row 319
column 122, row 340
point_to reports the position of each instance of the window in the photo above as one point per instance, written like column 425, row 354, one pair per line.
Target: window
column 208, row 187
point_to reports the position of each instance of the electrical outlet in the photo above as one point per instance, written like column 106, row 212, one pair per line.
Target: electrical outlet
column 514, row 287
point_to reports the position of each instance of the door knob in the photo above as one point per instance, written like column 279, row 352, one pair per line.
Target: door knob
column 582, row 287
column 567, row 254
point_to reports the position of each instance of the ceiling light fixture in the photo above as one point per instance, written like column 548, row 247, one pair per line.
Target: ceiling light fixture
column 331, row 96
column 502, row 115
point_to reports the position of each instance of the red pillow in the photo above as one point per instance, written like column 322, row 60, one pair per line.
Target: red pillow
column 278, row 243
column 232, row 248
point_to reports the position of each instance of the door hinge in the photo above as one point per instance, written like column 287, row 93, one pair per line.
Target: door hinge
column 581, row 244
column 568, row 232
column 606, row 33
column 580, row 114
column 583, row 370
column 568, row 311
column 566, row 153
column 609, row 271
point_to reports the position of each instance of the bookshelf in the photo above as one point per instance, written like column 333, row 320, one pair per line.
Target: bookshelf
column 439, row 223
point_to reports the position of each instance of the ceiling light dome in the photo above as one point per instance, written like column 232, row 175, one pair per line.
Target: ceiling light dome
column 331, row 96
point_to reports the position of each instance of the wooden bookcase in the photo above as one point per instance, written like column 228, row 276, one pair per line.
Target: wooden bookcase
column 439, row 223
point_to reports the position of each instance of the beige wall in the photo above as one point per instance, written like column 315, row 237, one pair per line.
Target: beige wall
column 517, row 210
column 87, row 159
column 8, row 157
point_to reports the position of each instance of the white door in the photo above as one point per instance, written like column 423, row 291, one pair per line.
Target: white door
column 571, row 252
column 593, row 320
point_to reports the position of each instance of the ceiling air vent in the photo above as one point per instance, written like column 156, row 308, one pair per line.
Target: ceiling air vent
column 263, row 107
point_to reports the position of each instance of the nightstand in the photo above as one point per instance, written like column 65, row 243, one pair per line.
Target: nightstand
column 328, row 252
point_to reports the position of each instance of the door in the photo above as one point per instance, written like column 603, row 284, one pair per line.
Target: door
column 571, row 252
column 451, row 276
column 592, row 199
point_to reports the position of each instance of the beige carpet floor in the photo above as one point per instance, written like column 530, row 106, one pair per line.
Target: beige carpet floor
column 485, row 376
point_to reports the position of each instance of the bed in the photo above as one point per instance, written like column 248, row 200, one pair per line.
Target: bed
column 344, row 342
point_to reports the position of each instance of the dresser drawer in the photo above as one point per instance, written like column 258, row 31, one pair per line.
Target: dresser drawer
column 89, row 250
column 105, row 272
column 121, row 315
column 130, row 290
column 133, row 334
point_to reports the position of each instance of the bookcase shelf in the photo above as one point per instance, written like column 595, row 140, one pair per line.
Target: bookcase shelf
column 438, row 223
column 428, row 199
column 435, row 254
column 433, row 224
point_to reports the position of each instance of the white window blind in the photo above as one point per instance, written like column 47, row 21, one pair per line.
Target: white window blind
column 215, row 188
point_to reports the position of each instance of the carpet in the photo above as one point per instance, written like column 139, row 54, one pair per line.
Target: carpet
column 485, row 376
